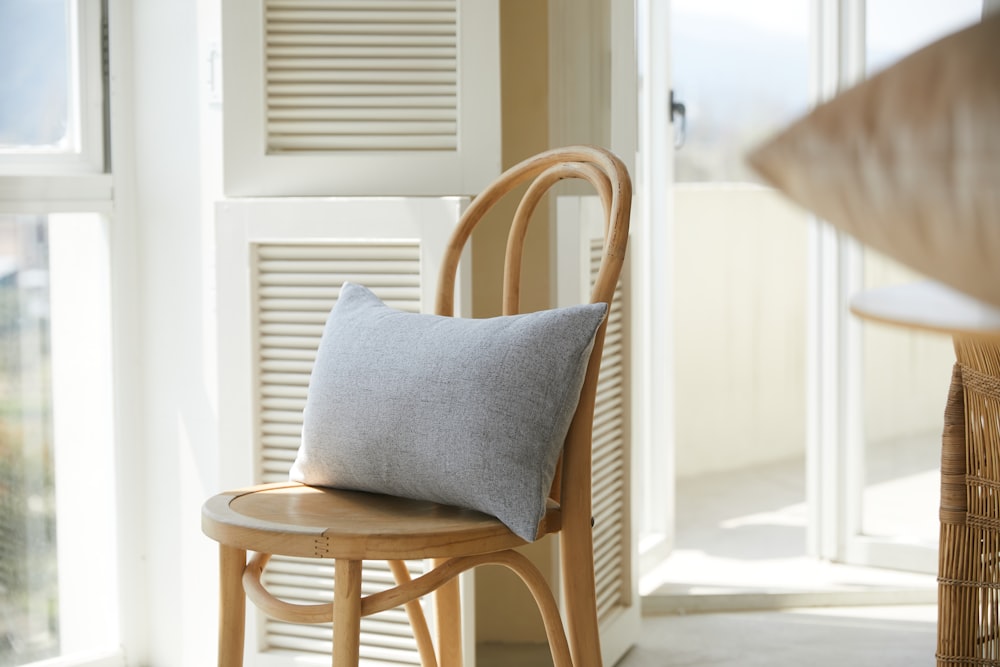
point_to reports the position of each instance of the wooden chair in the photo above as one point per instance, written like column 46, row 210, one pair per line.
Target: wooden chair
column 297, row 520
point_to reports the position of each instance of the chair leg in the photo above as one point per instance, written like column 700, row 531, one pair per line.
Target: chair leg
column 546, row 602
column 232, row 605
column 346, row 613
column 418, row 622
column 448, row 612
column 581, row 605
column 584, row 635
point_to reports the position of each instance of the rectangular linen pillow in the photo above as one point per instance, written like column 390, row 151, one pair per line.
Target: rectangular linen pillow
column 465, row 412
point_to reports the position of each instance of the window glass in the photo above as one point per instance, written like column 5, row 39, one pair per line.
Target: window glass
column 35, row 109
column 739, row 266
column 58, row 589
column 742, row 71
column 29, row 597
column 896, row 28
column 906, row 371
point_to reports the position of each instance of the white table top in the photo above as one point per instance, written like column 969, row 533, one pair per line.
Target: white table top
column 928, row 305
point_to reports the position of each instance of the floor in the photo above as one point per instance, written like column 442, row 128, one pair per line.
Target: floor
column 868, row 636
column 739, row 590
column 898, row 636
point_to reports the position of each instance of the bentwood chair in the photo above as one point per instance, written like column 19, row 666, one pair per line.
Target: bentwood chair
column 294, row 519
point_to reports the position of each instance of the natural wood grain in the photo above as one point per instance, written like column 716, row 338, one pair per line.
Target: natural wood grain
column 349, row 526
column 448, row 612
column 292, row 519
column 968, row 569
column 415, row 614
column 346, row 612
column 272, row 606
column 232, row 606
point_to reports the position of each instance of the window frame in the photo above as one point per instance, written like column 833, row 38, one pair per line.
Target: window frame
column 83, row 436
column 74, row 190
column 86, row 82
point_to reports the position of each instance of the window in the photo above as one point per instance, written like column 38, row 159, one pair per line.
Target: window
column 894, row 29
column 905, row 371
column 739, row 287
column 51, row 92
column 57, row 527
column 27, row 487
column 742, row 71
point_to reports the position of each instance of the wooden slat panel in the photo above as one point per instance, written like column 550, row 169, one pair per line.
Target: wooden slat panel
column 610, row 476
column 361, row 76
column 295, row 286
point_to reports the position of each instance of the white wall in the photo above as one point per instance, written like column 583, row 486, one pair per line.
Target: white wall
column 168, row 174
column 906, row 371
column 740, row 327
column 741, row 275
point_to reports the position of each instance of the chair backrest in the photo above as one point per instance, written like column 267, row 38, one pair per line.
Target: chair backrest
column 609, row 177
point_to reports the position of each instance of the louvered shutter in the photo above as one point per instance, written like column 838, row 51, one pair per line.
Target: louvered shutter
column 610, row 503
column 280, row 268
column 579, row 243
column 295, row 286
column 360, row 97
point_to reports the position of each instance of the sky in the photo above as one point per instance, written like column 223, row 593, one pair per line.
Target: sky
column 894, row 24
column 33, row 72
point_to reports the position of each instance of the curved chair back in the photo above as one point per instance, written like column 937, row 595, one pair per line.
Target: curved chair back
column 572, row 485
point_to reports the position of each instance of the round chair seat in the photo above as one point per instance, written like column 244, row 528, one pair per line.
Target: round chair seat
column 293, row 519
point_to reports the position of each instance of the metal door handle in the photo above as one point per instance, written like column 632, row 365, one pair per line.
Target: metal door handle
column 677, row 109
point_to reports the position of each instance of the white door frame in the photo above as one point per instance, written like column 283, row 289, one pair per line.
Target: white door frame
column 653, row 464
column 835, row 450
column 834, row 443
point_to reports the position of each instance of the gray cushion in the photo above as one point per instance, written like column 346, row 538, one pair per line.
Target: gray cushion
column 466, row 412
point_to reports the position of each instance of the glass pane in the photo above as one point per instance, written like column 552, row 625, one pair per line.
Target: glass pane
column 906, row 372
column 906, row 377
column 29, row 609
column 742, row 71
column 898, row 27
column 739, row 309
column 35, row 75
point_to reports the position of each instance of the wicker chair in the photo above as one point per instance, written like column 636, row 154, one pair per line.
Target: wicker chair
column 969, row 567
